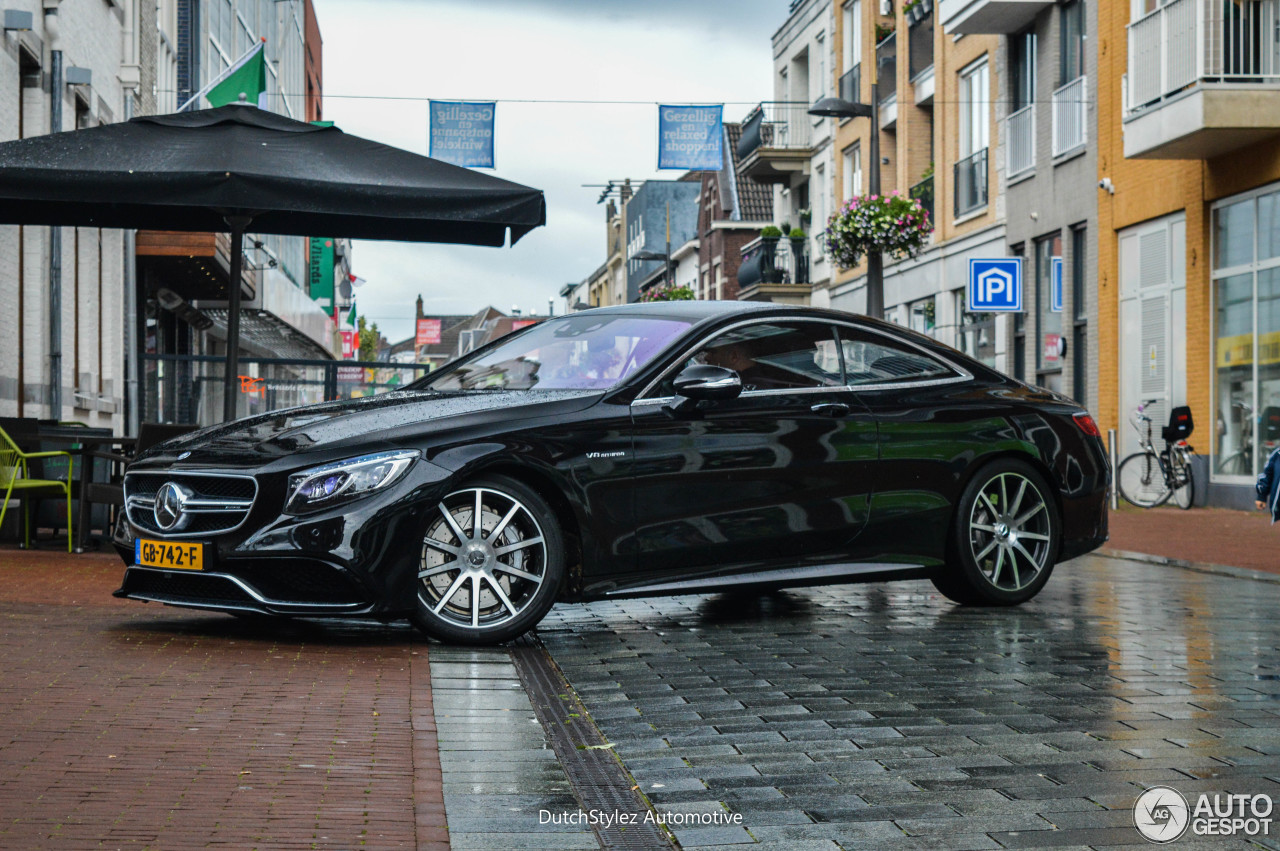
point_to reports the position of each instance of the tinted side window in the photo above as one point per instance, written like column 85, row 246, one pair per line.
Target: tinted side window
column 770, row 356
column 872, row 359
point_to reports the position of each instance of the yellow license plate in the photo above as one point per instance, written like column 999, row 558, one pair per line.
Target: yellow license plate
column 168, row 555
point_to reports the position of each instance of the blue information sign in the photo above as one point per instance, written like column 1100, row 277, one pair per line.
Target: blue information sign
column 690, row 137
column 1055, row 285
column 462, row 133
column 995, row 285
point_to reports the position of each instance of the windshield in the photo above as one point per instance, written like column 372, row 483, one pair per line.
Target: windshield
column 570, row 353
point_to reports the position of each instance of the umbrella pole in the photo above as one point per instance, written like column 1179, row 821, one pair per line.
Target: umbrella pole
column 231, row 380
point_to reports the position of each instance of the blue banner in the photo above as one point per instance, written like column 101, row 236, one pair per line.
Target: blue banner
column 1055, row 285
column 690, row 137
column 462, row 133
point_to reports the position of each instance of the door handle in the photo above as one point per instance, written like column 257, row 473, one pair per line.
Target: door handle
column 831, row 409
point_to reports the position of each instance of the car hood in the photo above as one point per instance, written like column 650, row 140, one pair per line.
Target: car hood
column 360, row 424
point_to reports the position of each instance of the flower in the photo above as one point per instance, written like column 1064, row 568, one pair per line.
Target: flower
column 894, row 224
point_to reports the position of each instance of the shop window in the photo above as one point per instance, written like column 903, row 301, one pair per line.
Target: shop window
column 1048, row 323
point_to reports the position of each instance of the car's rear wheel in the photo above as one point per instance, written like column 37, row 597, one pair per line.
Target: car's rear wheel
column 1005, row 538
column 491, row 565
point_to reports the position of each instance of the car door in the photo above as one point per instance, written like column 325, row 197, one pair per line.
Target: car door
column 780, row 475
column 933, row 422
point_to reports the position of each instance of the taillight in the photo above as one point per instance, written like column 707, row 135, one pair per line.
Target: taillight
column 1086, row 423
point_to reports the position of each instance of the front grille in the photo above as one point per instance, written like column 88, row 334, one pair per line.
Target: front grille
column 300, row 581
column 190, row 588
column 219, row 502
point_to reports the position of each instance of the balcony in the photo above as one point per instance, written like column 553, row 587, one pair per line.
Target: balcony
column 775, row 269
column 775, row 141
column 887, row 80
column 920, row 56
column 1203, row 79
column 851, row 84
column 1020, row 142
column 1070, row 119
column 971, row 183
column 968, row 17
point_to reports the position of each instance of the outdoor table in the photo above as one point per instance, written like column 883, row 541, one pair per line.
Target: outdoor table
column 85, row 447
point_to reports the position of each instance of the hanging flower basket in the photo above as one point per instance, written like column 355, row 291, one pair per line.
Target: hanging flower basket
column 896, row 225
column 668, row 294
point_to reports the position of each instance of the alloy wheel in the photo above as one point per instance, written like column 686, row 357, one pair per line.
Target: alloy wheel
column 484, row 557
column 1009, row 531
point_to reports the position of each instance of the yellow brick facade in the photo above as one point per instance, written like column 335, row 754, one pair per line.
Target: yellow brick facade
column 1148, row 189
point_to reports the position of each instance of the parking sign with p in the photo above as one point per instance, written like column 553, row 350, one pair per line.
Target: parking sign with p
column 995, row 285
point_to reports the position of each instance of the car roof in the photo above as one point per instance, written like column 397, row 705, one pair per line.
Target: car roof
column 691, row 310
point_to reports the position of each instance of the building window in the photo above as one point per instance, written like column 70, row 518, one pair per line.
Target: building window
column 976, row 332
column 1022, row 69
column 1048, row 323
column 852, row 172
column 975, row 127
column 820, row 89
column 1080, row 318
column 1246, row 350
column 852, row 35
column 922, row 315
column 1071, row 58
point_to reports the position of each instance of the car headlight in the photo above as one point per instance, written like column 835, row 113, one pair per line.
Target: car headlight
column 341, row 481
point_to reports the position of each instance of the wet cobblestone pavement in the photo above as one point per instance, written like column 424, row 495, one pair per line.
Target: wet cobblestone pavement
column 882, row 716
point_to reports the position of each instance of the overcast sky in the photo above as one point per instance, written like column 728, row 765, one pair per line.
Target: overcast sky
column 669, row 51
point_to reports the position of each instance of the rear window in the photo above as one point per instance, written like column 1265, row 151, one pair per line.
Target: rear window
column 871, row 359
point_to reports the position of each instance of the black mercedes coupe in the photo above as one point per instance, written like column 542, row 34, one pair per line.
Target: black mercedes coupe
column 642, row 450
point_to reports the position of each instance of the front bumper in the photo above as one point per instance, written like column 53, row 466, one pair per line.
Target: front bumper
column 356, row 559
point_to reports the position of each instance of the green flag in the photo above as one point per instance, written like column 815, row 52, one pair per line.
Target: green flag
column 247, row 78
column 351, row 316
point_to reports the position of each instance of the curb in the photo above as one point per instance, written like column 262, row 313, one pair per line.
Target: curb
column 1198, row 567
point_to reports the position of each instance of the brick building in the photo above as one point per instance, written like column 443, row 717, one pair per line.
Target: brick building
column 732, row 209
column 1189, row 228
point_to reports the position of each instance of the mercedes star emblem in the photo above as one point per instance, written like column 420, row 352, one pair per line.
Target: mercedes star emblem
column 170, row 501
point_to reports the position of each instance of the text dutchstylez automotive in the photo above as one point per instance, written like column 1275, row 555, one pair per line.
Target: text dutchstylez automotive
column 642, row 450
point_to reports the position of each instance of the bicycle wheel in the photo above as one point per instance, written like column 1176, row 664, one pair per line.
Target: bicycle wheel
column 1184, row 482
column 1141, row 480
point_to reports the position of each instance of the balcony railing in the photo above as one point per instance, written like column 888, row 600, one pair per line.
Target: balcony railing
column 777, row 124
column 1070, row 119
column 1188, row 40
column 1020, row 140
column 851, row 84
column 920, row 46
column 923, row 192
column 774, row 261
column 971, row 183
column 887, row 67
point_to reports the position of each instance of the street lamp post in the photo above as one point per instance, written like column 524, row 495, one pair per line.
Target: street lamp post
column 840, row 108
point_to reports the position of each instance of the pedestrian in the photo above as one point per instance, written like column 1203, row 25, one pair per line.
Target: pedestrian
column 1268, row 487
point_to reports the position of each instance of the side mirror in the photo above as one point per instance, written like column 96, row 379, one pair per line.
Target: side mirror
column 708, row 383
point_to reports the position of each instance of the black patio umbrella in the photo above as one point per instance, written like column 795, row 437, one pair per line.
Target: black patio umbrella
column 238, row 166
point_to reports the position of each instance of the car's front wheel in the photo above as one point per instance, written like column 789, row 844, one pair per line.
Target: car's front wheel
column 491, row 565
column 1005, row 538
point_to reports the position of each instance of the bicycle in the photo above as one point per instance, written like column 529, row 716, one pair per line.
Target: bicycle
column 1149, row 478
column 1240, row 462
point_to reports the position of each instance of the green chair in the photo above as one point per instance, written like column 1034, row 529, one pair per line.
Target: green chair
column 15, row 476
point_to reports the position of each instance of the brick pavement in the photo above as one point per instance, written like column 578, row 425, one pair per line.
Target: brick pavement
column 1204, row 535
column 124, row 725
column 882, row 716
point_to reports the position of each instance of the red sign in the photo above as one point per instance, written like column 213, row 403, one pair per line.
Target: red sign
column 1052, row 347
column 351, row 374
column 428, row 332
column 522, row 323
column 350, row 344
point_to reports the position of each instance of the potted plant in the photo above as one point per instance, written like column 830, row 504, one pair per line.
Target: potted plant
column 883, row 31
column 769, row 271
column 894, row 224
column 799, row 255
